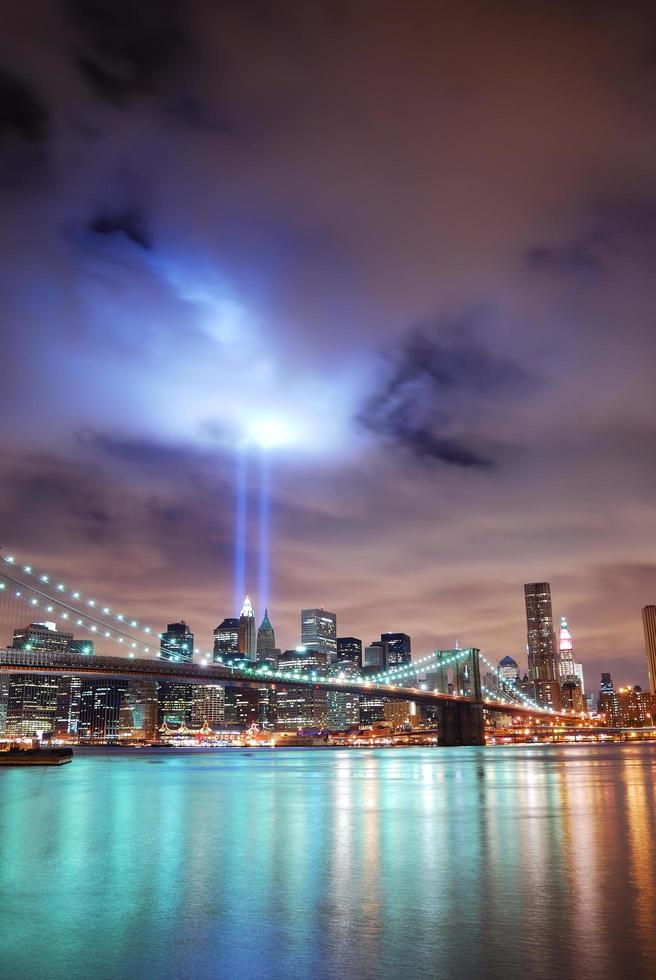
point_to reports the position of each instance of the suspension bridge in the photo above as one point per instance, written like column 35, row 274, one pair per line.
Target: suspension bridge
column 445, row 683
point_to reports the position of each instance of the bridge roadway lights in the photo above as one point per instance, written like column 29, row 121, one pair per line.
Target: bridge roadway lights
column 460, row 723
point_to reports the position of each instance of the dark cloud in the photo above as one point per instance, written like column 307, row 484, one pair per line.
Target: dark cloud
column 129, row 223
column 615, row 229
column 22, row 111
column 24, row 130
column 441, row 380
column 127, row 49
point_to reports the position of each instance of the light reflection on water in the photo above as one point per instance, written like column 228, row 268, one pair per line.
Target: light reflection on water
column 511, row 862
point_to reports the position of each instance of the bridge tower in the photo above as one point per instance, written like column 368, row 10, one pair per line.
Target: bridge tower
column 459, row 722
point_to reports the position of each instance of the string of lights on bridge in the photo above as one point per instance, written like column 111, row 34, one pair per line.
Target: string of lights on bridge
column 98, row 627
column 514, row 690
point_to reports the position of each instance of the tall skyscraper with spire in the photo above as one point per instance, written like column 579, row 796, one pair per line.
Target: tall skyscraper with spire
column 567, row 668
column 247, row 640
column 266, row 639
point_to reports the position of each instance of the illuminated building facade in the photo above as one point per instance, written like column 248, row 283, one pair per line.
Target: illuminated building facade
column 100, row 705
column 566, row 646
column 139, row 710
column 34, row 700
column 343, row 708
column 607, row 704
column 649, row 627
column 247, row 639
column 303, row 708
column 398, row 648
column 177, row 643
column 509, row 670
column 241, row 706
column 400, row 714
column 175, row 700
column 319, row 632
column 208, row 705
column 266, row 640
column 541, row 641
column 226, row 640
column 631, row 707
column 349, row 648
column 375, row 656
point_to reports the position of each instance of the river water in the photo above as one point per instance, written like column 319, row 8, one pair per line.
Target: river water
column 517, row 861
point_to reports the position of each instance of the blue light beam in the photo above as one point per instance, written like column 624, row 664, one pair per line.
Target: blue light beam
column 241, row 495
column 264, row 530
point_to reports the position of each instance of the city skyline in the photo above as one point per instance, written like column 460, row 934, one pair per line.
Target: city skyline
column 548, row 662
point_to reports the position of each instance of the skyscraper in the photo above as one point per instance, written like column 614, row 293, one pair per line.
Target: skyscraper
column 226, row 640
column 175, row 700
column 608, row 703
column 304, row 708
column 349, row 648
column 343, row 708
column 177, row 644
column 649, row 626
column 33, row 699
column 567, row 668
column 541, row 639
column 247, row 640
column 266, row 639
column 509, row 670
column 100, row 706
column 399, row 648
column 319, row 632
column 375, row 656
column 208, row 705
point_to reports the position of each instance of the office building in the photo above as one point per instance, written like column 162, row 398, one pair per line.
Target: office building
column 4, row 699
column 343, row 708
column 319, row 632
column 31, row 705
column 372, row 708
column 400, row 714
column 375, row 656
column 266, row 640
column 207, row 705
column 100, row 706
column 607, row 704
column 33, row 699
column 175, row 699
column 241, row 706
column 349, row 648
column 508, row 670
column 541, row 641
column 139, row 710
column 566, row 649
column 226, row 640
column 571, row 696
column 302, row 708
column 398, row 647
column 68, row 706
column 84, row 648
column 649, row 627
column 247, row 638
column 177, row 643
column 43, row 637
column 631, row 708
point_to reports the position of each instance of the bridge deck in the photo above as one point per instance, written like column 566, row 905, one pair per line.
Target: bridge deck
column 17, row 661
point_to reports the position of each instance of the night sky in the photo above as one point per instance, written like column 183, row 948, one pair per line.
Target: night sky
column 418, row 239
